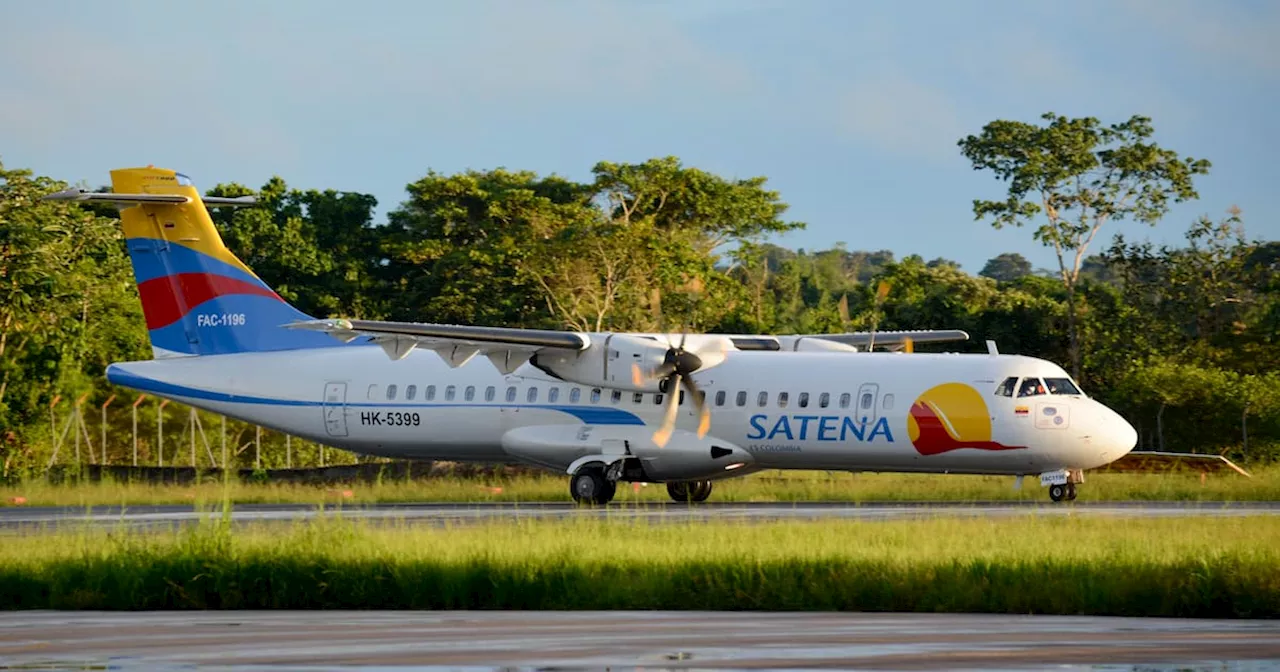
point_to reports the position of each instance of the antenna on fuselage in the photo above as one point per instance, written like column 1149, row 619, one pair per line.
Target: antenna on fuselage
column 991, row 348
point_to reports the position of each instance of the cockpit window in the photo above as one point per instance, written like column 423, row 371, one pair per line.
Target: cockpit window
column 1030, row 387
column 1007, row 387
column 1061, row 386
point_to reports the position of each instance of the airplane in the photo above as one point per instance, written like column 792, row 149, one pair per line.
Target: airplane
column 685, row 410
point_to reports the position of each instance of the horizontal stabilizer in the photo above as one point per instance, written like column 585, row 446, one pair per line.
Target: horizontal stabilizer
column 81, row 195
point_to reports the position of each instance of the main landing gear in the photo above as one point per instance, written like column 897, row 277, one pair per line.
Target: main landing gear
column 592, row 485
column 689, row 491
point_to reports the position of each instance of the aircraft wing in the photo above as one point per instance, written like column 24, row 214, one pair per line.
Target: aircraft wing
column 507, row 348
column 893, row 340
column 1158, row 461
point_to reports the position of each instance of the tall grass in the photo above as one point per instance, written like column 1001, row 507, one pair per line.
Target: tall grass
column 1194, row 567
column 771, row 486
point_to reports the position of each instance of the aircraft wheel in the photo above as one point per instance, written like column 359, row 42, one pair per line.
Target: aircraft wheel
column 1071, row 492
column 589, row 486
column 679, row 491
column 700, row 491
column 1057, row 492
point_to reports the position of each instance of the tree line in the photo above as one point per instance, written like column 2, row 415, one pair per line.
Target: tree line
column 1183, row 340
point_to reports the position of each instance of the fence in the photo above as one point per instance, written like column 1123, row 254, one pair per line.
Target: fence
column 73, row 441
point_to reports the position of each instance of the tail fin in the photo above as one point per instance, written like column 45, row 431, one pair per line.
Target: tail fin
column 197, row 297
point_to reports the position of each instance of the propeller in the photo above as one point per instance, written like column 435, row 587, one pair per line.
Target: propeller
column 676, row 370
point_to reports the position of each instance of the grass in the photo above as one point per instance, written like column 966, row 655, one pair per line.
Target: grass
column 770, row 486
column 1189, row 567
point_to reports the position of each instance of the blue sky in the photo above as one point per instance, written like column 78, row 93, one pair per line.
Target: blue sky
column 852, row 108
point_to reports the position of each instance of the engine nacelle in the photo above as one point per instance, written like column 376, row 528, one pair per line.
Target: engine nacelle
column 610, row 360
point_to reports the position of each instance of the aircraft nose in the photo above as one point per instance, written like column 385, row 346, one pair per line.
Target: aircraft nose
column 1118, row 436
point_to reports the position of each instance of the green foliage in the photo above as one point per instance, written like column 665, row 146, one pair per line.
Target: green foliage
column 1079, row 174
column 1189, row 567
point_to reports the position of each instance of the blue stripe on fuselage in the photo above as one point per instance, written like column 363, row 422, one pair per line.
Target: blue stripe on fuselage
column 587, row 414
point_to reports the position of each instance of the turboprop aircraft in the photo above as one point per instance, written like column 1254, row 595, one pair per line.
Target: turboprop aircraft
column 681, row 409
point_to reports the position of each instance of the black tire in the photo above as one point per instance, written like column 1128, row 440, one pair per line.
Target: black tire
column 679, row 491
column 1057, row 492
column 700, row 491
column 589, row 486
column 1071, row 492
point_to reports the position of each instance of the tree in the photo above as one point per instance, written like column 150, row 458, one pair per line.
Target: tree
column 1080, row 175
column 1006, row 267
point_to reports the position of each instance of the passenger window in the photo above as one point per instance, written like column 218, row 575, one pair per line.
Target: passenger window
column 1031, row 387
column 824, row 400
column 804, row 400
column 680, row 401
column 615, row 396
column 762, row 399
column 741, row 399
column 888, row 402
column 449, row 392
column 1007, row 387
column 595, row 395
column 553, row 395
column 575, row 395
column 845, row 399
column 470, row 394
column 657, row 400
column 532, row 396
column 410, row 392
column 373, row 393
column 511, row 394
column 489, row 393
column 720, row 398
column 867, row 400
column 431, row 392
column 391, row 392
column 702, row 395
column 637, row 398
column 782, row 400
column 1061, row 386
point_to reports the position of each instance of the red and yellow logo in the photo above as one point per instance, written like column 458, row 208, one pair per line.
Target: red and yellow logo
column 949, row 417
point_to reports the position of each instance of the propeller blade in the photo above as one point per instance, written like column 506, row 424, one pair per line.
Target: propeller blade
column 704, row 414
column 668, row 426
column 637, row 378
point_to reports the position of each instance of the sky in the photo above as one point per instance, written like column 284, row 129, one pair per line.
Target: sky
column 851, row 108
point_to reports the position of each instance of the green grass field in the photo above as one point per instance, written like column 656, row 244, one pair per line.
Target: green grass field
column 771, row 486
column 1190, row 567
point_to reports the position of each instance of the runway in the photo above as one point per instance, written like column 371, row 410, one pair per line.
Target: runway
column 245, row 641
column 440, row 514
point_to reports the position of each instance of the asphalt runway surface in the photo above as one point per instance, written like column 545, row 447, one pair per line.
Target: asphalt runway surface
column 439, row 514
column 564, row 641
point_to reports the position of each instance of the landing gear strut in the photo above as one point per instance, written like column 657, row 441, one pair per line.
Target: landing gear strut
column 590, row 486
column 689, row 491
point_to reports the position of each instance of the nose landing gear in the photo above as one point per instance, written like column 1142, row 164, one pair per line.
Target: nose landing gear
column 1063, row 492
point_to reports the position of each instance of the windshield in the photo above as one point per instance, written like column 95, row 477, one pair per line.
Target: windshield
column 1061, row 386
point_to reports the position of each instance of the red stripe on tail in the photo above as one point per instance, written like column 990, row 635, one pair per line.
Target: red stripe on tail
column 160, row 302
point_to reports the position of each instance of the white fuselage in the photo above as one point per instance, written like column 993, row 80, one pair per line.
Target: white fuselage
column 842, row 411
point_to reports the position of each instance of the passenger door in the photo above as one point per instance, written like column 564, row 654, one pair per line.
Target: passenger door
column 335, row 408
